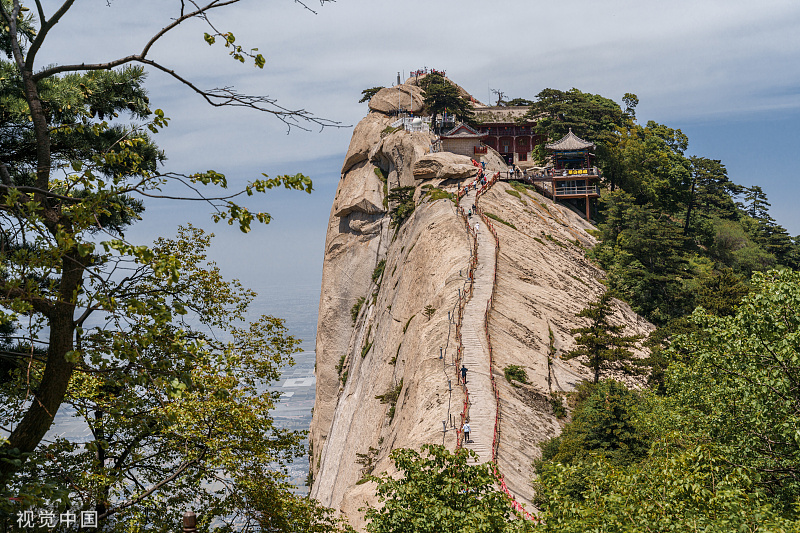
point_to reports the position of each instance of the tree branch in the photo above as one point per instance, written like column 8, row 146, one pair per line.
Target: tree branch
column 47, row 25
column 181, row 468
column 41, row 305
column 137, row 57
column 40, row 9
column 118, row 462
column 36, row 190
column 218, row 97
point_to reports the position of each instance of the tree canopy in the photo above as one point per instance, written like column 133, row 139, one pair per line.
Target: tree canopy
column 442, row 96
column 440, row 491
column 142, row 341
column 367, row 94
column 601, row 342
column 166, row 431
column 735, row 379
column 720, row 443
column 691, row 251
column 589, row 116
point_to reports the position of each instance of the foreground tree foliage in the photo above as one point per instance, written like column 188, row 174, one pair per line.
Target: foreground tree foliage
column 192, row 428
column 736, row 381
column 689, row 490
column 441, row 491
column 722, row 450
column 143, row 342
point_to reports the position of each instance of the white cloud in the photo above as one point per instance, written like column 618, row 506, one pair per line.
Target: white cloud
column 686, row 60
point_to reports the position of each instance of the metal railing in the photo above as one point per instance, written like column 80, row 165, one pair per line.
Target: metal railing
column 407, row 123
column 567, row 191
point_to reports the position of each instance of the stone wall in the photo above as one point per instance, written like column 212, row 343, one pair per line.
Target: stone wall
column 461, row 146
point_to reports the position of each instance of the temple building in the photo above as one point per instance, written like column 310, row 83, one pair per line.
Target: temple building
column 506, row 132
column 573, row 178
column 464, row 140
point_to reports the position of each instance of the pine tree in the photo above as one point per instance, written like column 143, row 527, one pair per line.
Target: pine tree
column 442, row 96
column 601, row 342
column 756, row 204
column 643, row 250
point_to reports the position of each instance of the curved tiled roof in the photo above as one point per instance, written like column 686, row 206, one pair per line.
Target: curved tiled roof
column 463, row 131
column 486, row 116
column 570, row 141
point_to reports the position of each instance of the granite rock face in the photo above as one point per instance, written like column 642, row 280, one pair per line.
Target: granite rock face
column 361, row 190
column 543, row 281
column 366, row 135
column 375, row 342
column 444, row 165
column 408, row 97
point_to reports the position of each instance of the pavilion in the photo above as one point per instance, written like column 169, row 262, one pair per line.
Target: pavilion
column 574, row 178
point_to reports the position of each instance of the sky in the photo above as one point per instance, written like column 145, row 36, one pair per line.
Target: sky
column 725, row 72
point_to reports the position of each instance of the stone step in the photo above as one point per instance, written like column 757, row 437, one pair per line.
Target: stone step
column 482, row 408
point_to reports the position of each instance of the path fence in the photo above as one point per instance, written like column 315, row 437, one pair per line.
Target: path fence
column 495, row 388
column 462, row 302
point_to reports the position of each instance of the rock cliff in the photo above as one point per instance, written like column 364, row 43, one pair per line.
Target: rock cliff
column 389, row 308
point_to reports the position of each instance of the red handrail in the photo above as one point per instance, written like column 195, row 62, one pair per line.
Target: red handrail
column 473, row 262
column 496, row 438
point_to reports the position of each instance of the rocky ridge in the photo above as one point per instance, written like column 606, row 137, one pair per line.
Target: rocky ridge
column 381, row 383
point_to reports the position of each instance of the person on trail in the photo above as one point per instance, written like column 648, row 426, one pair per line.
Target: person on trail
column 466, row 433
column 463, row 374
column 477, row 227
column 469, row 213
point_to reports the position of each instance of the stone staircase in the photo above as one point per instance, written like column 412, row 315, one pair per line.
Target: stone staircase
column 482, row 409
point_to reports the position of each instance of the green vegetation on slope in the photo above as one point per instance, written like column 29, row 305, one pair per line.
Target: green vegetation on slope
column 716, row 452
column 710, row 445
column 440, row 491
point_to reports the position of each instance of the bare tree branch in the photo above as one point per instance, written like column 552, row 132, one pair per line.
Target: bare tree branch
column 46, row 26
column 40, row 9
column 218, row 97
column 135, row 57
column 178, row 471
